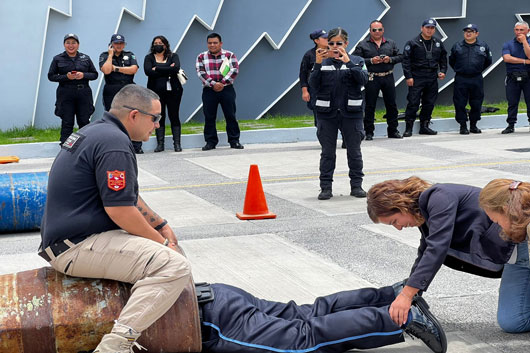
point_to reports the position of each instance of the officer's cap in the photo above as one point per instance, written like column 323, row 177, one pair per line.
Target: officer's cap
column 430, row 22
column 71, row 35
column 319, row 33
column 472, row 27
column 117, row 38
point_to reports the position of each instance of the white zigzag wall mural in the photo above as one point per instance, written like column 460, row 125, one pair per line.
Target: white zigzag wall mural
column 268, row 37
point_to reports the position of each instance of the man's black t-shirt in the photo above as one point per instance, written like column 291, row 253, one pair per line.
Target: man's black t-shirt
column 95, row 168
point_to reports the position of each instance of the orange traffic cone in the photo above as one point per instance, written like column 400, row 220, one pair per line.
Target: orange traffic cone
column 255, row 203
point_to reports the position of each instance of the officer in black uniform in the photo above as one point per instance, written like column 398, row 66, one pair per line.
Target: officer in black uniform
column 336, row 80
column 516, row 55
column 72, row 70
column 424, row 61
column 469, row 58
column 380, row 55
column 320, row 38
column 119, row 67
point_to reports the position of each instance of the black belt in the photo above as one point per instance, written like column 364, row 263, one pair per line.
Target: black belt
column 57, row 249
column 468, row 75
column 79, row 86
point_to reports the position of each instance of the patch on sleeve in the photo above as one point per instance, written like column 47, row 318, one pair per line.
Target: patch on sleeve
column 72, row 142
column 116, row 180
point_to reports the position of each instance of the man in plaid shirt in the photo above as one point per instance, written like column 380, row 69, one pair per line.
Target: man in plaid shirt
column 217, row 79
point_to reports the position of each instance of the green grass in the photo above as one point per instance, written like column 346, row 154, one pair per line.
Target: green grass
column 31, row 134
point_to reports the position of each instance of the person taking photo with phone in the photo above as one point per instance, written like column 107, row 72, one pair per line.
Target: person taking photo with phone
column 336, row 80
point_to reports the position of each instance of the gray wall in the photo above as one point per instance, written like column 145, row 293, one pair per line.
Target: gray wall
column 268, row 37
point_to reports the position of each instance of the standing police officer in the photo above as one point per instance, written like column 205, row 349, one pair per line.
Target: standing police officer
column 516, row 55
column 469, row 58
column 336, row 81
column 380, row 55
column 72, row 70
column 119, row 67
column 320, row 38
column 424, row 61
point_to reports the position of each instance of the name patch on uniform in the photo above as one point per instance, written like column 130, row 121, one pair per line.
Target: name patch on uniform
column 72, row 142
column 116, row 179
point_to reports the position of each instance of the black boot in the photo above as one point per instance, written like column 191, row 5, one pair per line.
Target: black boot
column 463, row 129
column 473, row 128
column 425, row 129
column 408, row 129
column 509, row 129
column 138, row 147
column 175, row 130
column 160, row 135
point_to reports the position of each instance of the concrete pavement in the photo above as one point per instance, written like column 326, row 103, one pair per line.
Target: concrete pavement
column 317, row 247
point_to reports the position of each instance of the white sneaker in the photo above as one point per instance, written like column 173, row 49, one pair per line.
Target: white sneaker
column 122, row 339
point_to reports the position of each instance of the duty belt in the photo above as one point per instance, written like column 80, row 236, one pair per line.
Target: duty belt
column 78, row 86
column 56, row 249
column 379, row 74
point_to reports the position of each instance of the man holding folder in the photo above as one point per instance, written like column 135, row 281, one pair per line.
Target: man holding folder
column 217, row 69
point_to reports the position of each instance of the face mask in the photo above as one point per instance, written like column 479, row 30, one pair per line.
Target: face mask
column 158, row 48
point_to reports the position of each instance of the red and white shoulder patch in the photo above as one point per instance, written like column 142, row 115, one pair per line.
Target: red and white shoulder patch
column 116, row 179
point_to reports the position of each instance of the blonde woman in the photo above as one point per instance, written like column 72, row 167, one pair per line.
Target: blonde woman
column 507, row 203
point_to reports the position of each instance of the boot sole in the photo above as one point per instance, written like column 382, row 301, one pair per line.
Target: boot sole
column 424, row 307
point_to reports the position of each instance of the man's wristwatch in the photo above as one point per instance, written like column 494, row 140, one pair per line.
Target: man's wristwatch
column 116, row 69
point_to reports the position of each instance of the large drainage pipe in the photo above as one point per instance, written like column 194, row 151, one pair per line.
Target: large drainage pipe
column 22, row 201
column 44, row 311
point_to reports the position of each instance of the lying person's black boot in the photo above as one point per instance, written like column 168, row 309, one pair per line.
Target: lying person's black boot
column 423, row 325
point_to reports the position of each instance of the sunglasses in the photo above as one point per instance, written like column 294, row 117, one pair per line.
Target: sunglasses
column 335, row 43
column 154, row 117
column 377, row 30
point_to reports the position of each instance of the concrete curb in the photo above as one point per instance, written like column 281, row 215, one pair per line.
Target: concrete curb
column 50, row 149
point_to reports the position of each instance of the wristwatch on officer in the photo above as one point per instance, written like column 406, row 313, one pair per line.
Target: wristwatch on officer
column 116, row 69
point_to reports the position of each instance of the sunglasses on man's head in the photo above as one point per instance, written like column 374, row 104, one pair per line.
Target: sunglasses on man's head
column 377, row 30
column 154, row 117
column 335, row 43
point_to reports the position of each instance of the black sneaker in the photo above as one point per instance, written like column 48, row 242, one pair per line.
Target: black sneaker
column 464, row 130
column 394, row 135
column 325, row 194
column 358, row 192
column 426, row 327
column 509, row 130
column 208, row 147
column 474, row 130
column 236, row 145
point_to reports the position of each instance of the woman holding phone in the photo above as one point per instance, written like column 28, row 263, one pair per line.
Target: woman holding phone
column 336, row 82
column 507, row 202
column 72, row 70
column 161, row 67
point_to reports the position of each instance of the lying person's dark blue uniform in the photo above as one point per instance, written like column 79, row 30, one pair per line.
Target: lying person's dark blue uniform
column 236, row 321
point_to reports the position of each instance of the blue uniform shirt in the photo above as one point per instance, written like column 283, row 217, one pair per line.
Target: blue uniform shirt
column 515, row 49
column 470, row 59
column 95, row 168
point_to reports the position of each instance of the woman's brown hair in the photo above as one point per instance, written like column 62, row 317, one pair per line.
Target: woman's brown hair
column 394, row 196
column 511, row 199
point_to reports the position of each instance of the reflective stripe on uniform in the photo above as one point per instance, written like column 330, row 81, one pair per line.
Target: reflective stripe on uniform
column 355, row 102
column 320, row 103
column 327, row 68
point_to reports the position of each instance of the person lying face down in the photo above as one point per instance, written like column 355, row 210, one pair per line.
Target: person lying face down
column 237, row 322
column 455, row 231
